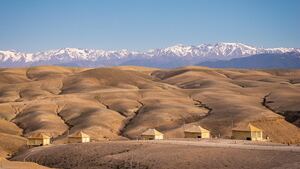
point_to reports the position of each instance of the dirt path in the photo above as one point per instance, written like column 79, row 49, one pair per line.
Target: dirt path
column 227, row 145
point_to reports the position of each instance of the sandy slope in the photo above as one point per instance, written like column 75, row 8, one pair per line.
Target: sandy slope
column 5, row 164
column 121, row 102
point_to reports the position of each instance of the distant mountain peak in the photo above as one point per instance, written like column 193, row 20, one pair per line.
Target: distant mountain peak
column 202, row 52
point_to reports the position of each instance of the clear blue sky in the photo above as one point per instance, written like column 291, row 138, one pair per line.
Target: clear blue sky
column 36, row 25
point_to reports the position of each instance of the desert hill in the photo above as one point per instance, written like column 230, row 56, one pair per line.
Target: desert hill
column 6, row 164
column 121, row 102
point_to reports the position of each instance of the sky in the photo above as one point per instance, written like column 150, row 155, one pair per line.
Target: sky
column 38, row 25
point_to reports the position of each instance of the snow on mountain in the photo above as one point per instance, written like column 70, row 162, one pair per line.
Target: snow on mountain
column 80, row 54
column 219, row 50
column 203, row 52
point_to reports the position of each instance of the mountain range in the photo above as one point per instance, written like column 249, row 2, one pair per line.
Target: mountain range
column 174, row 56
column 289, row 60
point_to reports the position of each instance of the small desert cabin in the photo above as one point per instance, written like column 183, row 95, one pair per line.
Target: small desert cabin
column 196, row 132
column 247, row 133
column 78, row 137
column 152, row 134
column 38, row 139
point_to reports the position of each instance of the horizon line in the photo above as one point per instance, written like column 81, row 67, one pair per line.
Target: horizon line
column 146, row 50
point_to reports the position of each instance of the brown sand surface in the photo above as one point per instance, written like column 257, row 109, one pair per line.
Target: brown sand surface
column 140, row 154
column 5, row 164
column 119, row 103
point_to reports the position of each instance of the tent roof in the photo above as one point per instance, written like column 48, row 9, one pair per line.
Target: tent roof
column 39, row 136
column 79, row 134
column 253, row 128
column 249, row 127
column 151, row 132
column 196, row 129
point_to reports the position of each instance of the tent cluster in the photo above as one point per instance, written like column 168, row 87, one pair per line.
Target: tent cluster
column 189, row 132
column 249, row 132
column 42, row 139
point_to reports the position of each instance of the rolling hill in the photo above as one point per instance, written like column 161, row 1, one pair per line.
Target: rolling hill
column 119, row 103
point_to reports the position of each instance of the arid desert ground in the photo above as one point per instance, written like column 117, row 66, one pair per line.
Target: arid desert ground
column 116, row 104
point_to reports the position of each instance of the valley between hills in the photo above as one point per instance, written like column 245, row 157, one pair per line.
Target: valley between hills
column 119, row 103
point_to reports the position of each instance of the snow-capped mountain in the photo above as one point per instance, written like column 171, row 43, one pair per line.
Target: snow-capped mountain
column 259, row 61
column 177, row 55
column 220, row 50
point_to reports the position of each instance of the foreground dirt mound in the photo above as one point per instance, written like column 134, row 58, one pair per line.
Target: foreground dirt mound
column 5, row 164
column 122, row 102
column 159, row 156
